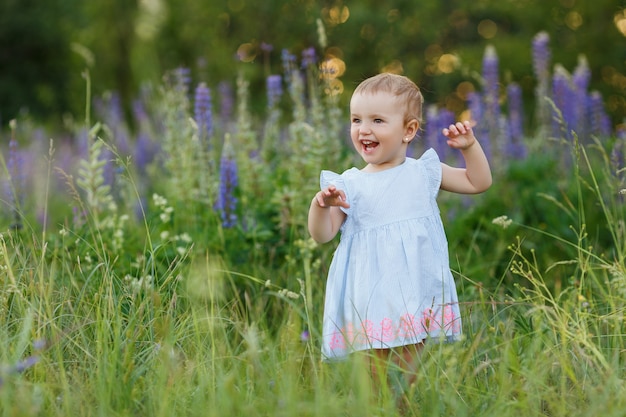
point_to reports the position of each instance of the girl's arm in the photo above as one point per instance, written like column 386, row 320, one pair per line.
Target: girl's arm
column 476, row 176
column 325, row 216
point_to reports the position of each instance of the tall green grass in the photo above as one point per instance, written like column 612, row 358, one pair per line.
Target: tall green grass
column 192, row 340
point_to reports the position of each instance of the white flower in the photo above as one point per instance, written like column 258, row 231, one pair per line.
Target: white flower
column 502, row 221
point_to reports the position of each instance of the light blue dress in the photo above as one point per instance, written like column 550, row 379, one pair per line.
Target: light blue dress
column 389, row 282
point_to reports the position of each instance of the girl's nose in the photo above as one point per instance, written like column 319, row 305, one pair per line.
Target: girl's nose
column 365, row 128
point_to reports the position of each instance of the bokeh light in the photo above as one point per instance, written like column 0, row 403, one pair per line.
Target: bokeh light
column 246, row 52
column 620, row 21
column 573, row 20
column 447, row 63
column 487, row 28
column 335, row 15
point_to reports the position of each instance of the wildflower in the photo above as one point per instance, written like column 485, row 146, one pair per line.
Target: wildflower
column 159, row 200
column 289, row 61
column 292, row 295
column 564, row 98
column 321, row 33
column 305, row 336
column 203, row 111
column 15, row 184
column 288, row 294
column 274, row 90
column 502, row 221
column 309, row 57
column 541, row 55
column 516, row 147
column 181, row 79
column 19, row 367
column 491, row 91
column 226, row 203
column 185, row 237
column 580, row 80
column 599, row 123
column 477, row 112
column 227, row 101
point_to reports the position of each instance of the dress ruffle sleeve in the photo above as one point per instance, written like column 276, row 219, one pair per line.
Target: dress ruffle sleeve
column 328, row 178
column 433, row 169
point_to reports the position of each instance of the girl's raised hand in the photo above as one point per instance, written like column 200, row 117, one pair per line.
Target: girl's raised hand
column 331, row 196
column 460, row 135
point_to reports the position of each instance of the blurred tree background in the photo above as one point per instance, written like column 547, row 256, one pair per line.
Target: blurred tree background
column 45, row 46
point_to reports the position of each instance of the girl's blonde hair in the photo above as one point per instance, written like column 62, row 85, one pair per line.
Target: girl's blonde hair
column 401, row 87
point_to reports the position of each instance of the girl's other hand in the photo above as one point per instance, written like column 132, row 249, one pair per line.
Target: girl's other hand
column 331, row 196
column 460, row 135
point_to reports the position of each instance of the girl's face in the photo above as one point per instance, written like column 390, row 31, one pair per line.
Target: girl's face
column 378, row 131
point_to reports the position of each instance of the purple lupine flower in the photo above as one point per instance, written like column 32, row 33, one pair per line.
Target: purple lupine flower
column 491, row 93
column 617, row 153
column 203, row 111
column 274, row 90
column 25, row 363
column 289, row 61
column 145, row 151
column 436, row 120
column 541, row 55
column 477, row 112
column 227, row 101
column 139, row 111
column 515, row 148
column 112, row 113
column 309, row 58
column 266, row 47
column 541, row 65
column 305, row 336
column 182, row 77
column 491, row 79
column 599, row 124
column 564, row 97
column 226, row 203
column 20, row 367
column 580, row 81
column 16, row 182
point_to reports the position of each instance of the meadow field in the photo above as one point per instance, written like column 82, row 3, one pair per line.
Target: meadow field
column 159, row 264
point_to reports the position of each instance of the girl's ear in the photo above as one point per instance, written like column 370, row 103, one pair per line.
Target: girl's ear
column 411, row 128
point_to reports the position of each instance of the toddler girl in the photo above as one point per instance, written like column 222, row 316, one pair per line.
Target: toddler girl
column 389, row 286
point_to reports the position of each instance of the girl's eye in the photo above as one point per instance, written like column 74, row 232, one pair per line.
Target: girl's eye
column 378, row 120
column 355, row 120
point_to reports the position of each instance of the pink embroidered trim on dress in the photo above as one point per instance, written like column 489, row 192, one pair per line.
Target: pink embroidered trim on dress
column 408, row 327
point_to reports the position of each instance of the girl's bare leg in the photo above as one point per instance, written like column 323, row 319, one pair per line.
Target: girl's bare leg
column 407, row 360
column 378, row 364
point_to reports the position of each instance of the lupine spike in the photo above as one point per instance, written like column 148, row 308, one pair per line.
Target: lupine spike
column 516, row 148
column 15, row 184
column 203, row 111
column 226, row 203
column 491, row 97
column 274, row 90
column 541, row 65
column 580, row 82
column 564, row 98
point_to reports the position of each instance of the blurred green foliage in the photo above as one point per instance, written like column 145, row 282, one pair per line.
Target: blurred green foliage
column 45, row 46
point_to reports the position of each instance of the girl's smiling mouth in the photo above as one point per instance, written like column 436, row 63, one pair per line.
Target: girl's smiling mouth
column 368, row 145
